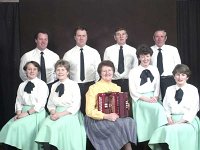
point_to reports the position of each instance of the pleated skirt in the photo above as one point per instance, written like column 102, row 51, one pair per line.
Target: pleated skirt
column 22, row 132
column 108, row 135
column 183, row 136
column 66, row 133
column 148, row 116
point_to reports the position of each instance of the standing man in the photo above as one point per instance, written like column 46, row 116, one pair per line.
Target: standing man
column 42, row 55
column 84, row 61
column 124, row 58
column 165, row 57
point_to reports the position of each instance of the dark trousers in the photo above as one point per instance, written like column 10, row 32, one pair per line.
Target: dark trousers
column 84, row 88
column 165, row 82
column 123, row 83
column 198, row 114
column 7, row 147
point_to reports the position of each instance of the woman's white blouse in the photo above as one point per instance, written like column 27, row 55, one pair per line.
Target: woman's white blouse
column 189, row 105
column 37, row 97
column 136, row 90
column 71, row 99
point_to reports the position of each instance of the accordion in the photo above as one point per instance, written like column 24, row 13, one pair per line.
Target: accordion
column 114, row 102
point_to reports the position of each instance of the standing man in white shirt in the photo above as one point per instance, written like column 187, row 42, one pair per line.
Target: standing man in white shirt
column 49, row 57
column 84, row 61
column 129, row 58
column 168, row 55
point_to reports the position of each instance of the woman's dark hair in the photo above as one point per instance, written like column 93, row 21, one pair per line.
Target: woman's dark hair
column 32, row 62
column 143, row 49
column 182, row 68
column 105, row 63
column 63, row 63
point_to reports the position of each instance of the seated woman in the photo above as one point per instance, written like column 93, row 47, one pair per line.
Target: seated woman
column 144, row 86
column 107, row 131
column 64, row 127
column 181, row 103
column 21, row 130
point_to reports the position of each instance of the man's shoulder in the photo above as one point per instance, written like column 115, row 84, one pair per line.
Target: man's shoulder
column 52, row 52
column 90, row 48
column 70, row 51
column 170, row 46
column 29, row 53
column 130, row 48
column 110, row 47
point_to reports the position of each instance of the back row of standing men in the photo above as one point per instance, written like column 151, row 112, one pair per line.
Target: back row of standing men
column 84, row 60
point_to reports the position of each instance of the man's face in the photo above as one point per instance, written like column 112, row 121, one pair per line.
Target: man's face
column 121, row 37
column 42, row 41
column 160, row 38
column 81, row 38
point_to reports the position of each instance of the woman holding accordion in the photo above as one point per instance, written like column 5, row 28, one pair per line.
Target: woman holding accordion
column 107, row 131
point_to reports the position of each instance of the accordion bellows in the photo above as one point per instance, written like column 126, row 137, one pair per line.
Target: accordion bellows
column 114, row 102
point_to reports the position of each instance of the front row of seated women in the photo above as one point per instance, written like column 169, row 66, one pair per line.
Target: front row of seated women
column 30, row 128
column 172, row 125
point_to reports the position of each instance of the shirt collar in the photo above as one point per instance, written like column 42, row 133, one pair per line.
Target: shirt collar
column 160, row 47
column 66, row 80
column 39, row 51
column 120, row 45
column 33, row 80
column 84, row 47
column 183, row 87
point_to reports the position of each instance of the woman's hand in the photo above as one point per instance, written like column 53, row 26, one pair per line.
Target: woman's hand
column 170, row 121
column 111, row 116
column 149, row 100
column 153, row 99
column 55, row 116
column 21, row 115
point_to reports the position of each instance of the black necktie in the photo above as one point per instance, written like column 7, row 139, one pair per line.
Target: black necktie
column 82, row 67
column 179, row 95
column 60, row 89
column 43, row 69
column 144, row 75
column 121, row 60
column 160, row 61
column 29, row 87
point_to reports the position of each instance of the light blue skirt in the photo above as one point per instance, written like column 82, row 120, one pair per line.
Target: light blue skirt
column 148, row 116
column 110, row 135
column 66, row 133
column 22, row 132
column 183, row 136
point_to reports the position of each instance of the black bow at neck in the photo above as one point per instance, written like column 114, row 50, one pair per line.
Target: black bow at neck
column 144, row 75
column 60, row 89
column 179, row 95
column 29, row 87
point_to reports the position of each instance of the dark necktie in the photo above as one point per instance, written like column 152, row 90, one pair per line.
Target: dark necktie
column 144, row 75
column 179, row 95
column 29, row 87
column 82, row 67
column 160, row 61
column 121, row 60
column 43, row 69
column 60, row 89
